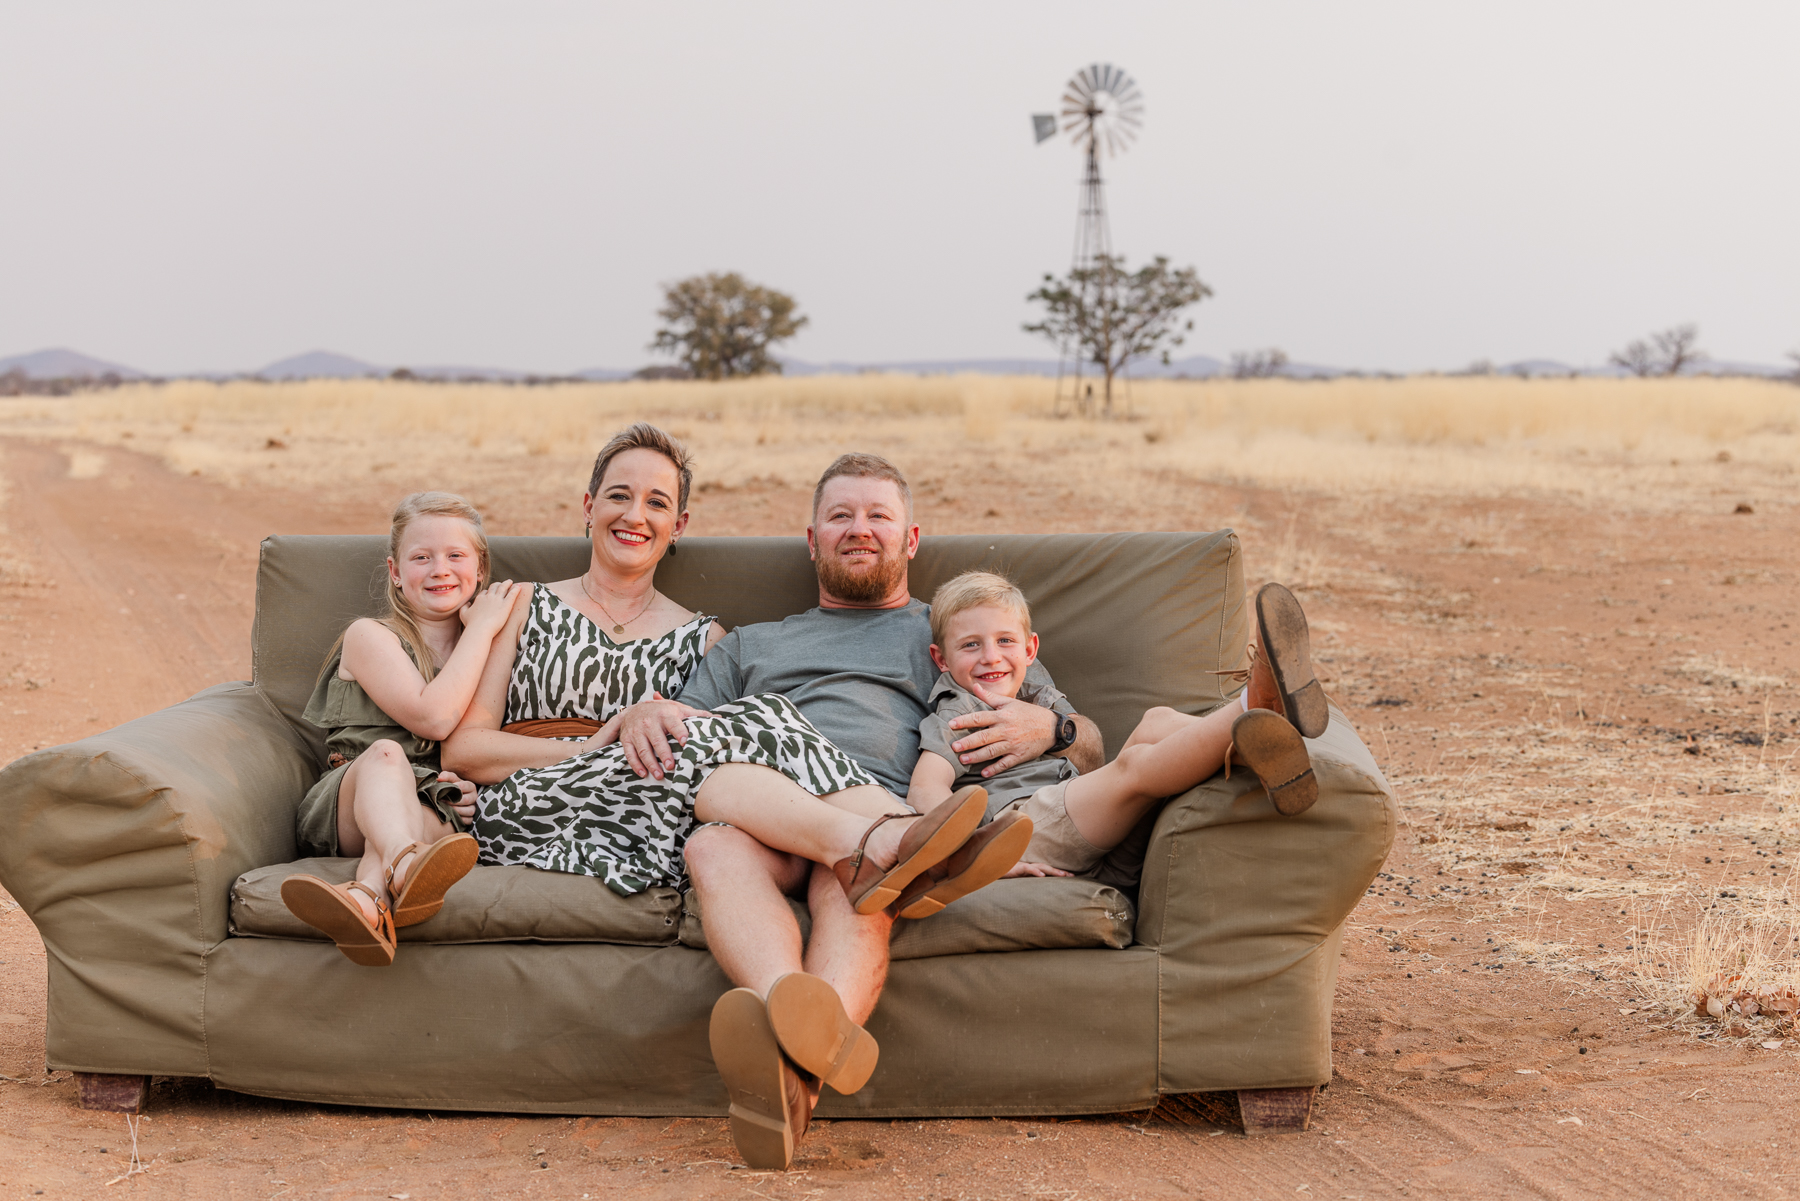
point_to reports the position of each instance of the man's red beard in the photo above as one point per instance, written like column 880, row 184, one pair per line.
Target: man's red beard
column 862, row 587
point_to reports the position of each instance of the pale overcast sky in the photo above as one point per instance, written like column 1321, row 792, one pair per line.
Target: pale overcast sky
column 1379, row 185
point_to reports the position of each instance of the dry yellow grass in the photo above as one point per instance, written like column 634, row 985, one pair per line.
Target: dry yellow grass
column 1631, row 443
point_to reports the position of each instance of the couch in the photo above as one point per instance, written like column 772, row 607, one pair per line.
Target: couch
column 150, row 858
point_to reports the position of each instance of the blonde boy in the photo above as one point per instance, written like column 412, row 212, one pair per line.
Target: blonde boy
column 983, row 643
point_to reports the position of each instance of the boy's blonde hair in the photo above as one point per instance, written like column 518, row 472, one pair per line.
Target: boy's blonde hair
column 971, row 590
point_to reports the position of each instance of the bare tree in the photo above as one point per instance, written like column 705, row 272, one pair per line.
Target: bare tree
column 1795, row 373
column 722, row 325
column 1112, row 315
column 1259, row 364
column 1665, row 353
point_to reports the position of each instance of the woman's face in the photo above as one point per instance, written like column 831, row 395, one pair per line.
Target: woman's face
column 635, row 516
column 439, row 568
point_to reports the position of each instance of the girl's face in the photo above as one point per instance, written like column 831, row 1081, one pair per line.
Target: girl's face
column 635, row 516
column 439, row 569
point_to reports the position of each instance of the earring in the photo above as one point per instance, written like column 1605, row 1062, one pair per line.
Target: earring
column 588, row 532
column 671, row 548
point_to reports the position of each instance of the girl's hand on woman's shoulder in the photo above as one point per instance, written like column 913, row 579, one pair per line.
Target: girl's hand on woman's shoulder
column 488, row 610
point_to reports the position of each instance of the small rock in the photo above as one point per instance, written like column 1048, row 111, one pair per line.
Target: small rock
column 1743, row 507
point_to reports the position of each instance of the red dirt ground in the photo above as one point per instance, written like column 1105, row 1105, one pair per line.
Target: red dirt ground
column 1522, row 669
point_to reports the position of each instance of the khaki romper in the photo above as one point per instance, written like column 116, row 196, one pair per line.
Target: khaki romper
column 352, row 724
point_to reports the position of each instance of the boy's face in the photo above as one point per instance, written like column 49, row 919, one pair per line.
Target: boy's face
column 986, row 645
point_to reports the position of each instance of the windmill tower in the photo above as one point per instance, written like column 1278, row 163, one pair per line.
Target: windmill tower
column 1102, row 111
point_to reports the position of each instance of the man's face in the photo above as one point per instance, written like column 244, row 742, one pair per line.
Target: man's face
column 861, row 541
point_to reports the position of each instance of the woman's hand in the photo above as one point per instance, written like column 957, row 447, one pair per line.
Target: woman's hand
column 647, row 728
column 605, row 736
column 487, row 612
column 1035, row 869
column 463, row 807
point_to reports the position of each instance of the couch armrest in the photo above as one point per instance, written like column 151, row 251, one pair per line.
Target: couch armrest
column 1246, row 909
column 122, row 849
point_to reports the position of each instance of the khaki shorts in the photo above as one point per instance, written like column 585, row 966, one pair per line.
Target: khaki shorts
column 1055, row 842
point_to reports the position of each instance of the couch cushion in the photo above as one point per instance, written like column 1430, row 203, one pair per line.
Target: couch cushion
column 1128, row 620
column 1036, row 914
column 490, row 904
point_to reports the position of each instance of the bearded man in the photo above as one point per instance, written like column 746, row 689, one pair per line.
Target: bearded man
column 858, row 667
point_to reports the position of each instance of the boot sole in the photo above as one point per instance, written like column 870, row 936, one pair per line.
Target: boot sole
column 327, row 909
column 435, row 870
column 809, row 1022
column 968, row 806
column 1273, row 749
column 748, row 1056
column 1287, row 644
column 993, row 861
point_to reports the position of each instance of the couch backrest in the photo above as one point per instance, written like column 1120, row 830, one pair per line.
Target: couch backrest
column 1127, row 620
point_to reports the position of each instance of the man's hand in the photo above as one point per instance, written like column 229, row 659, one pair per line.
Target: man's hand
column 464, row 806
column 1012, row 733
column 646, row 730
column 1034, row 869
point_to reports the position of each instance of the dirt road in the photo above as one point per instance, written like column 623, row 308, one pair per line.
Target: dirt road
column 1527, row 673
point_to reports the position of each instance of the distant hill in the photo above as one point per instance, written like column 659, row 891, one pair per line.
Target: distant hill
column 320, row 364
column 61, row 363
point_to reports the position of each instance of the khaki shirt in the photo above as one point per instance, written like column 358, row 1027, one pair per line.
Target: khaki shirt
column 949, row 701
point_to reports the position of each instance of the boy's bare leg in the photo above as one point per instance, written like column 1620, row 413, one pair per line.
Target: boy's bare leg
column 1167, row 754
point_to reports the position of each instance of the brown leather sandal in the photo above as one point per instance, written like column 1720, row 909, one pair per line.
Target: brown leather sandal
column 809, row 1021
column 771, row 1103
column 435, row 869
column 989, row 854
column 927, row 842
column 1287, row 645
column 1270, row 746
column 329, row 907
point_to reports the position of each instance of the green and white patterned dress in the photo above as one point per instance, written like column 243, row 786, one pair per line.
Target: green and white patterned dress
column 591, row 814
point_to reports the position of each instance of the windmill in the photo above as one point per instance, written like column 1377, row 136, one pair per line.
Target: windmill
column 1102, row 111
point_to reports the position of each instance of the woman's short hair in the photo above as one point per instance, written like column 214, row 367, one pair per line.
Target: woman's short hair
column 971, row 590
column 644, row 436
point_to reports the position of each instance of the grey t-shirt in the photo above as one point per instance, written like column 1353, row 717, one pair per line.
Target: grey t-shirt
column 950, row 700
column 861, row 676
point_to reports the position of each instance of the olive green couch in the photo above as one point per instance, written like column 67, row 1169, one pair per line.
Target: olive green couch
column 149, row 857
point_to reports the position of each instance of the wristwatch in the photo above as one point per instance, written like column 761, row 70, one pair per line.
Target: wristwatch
column 1065, row 735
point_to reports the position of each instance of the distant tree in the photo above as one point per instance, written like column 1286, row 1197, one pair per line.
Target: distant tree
column 1665, row 353
column 722, row 325
column 1258, row 364
column 1795, row 373
column 1112, row 315
column 662, row 371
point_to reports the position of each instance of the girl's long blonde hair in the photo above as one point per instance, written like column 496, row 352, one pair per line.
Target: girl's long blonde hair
column 400, row 617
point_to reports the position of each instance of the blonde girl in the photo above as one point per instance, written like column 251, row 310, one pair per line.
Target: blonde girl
column 392, row 688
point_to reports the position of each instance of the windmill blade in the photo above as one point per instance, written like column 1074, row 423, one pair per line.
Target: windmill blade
column 1043, row 127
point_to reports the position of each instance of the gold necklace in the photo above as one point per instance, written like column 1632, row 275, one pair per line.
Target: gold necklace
column 618, row 626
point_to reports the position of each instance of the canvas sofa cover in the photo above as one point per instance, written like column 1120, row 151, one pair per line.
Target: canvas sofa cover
column 125, row 847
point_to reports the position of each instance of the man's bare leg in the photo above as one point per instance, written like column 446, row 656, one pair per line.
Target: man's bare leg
column 847, row 950
column 742, row 886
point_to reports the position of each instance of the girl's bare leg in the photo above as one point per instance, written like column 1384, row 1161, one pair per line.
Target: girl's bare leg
column 781, row 815
column 379, row 813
